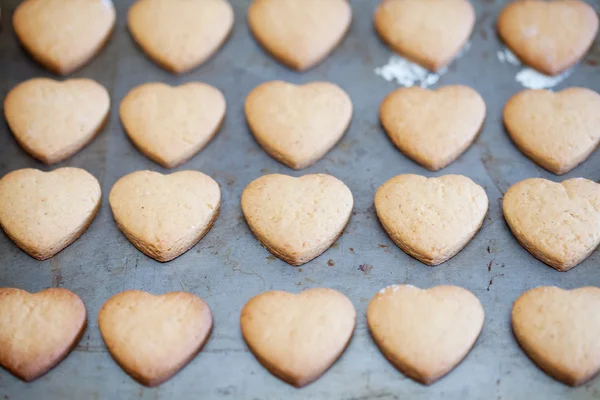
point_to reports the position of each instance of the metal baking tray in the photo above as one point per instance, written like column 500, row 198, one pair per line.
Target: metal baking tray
column 229, row 266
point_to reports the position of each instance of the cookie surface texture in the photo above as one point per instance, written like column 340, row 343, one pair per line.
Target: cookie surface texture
column 179, row 35
column 431, row 219
column 559, row 330
column 53, row 120
column 297, row 219
column 550, row 36
column 428, row 32
column 558, row 223
column 63, row 35
column 425, row 333
column 44, row 212
column 297, row 337
column 165, row 215
column 558, row 131
column 299, row 33
column 298, row 125
column 153, row 337
column 433, row 127
column 37, row 331
column 170, row 125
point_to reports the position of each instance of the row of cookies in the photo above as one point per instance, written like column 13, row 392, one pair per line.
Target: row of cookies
column 298, row 125
column 297, row 337
column 180, row 35
column 297, row 219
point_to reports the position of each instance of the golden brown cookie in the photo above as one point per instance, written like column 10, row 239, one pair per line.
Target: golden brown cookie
column 559, row 330
column 299, row 33
column 550, row 36
column 558, row 223
column 433, row 127
column 558, row 131
column 297, row 337
column 298, row 125
column 37, row 331
column 63, row 35
column 428, row 32
column 54, row 120
column 153, row 337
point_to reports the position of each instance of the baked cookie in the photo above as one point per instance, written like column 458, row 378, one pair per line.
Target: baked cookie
column 550, row 36
column 297, row 337
column 298, row 125
column 44, row 212
column 299, row 33
column 558, row 223
column 433, row 127
column 425, row 333
column 53, row 120
column 297, row 219
column 179, row 35
column 153, row 337
column 63, row 35
column 431, row 219
column 165, row 215
column 37, row 331
column 558, row 131
column 559, row 330
column 428, row 32
column 170, row 125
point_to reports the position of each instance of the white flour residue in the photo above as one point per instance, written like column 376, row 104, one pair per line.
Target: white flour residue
column 529, row 77
column 407, row 73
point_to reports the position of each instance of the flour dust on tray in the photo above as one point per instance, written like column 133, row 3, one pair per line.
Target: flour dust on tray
column 529, row 77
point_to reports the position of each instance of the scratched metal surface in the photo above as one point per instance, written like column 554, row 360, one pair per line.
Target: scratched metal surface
column 229, row 266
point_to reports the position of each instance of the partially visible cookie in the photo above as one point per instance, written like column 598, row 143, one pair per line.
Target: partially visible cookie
column 63, row 35
column 37, row 331
column 298, row 125
column 153, row 337
column 431, row 219
column 559, row 330
column 428, row 32
column 297, row 219
column 558, row 223
column 54, row 120
column 300, row 34
column 171, row 124
column 558, row 131
column 425, row 333
column 550, row 36
column 433, row 127
column 179, row 35
column 165, row 215
column 297, row 337
column 44, row 212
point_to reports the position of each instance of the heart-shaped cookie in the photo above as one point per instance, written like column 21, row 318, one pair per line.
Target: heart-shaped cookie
column 558, row 223
column 550, row 36
column 428, row 32
column 300, row 34
column 153, row 337
column 165, row 215
column 64, row 35
column 297, row 219
column 297, row 337
column 425, row 333
column 433, row 127
column 37, row 331
column 53, row 120
column 298, row 125
column 559, row 330
column 44, row 212
column 431, row 219
column 558, row 131
column 179, row 35
column 171, row 124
